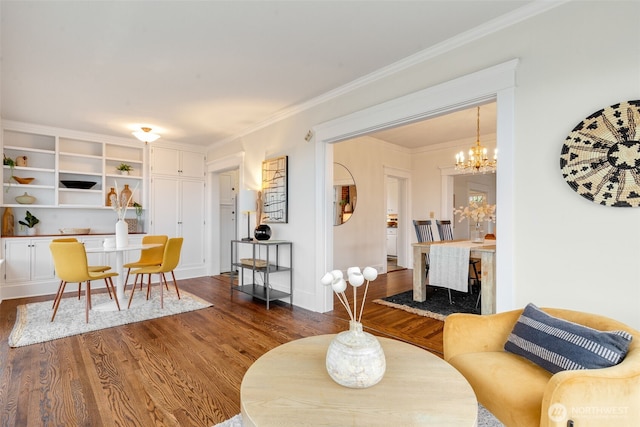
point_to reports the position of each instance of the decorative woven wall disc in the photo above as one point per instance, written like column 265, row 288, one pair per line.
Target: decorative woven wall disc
column 600, row 158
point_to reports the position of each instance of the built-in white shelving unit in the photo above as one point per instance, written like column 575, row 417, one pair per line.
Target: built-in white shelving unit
column 55, row 156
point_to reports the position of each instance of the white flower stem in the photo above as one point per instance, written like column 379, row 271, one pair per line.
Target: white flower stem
column 345, row 303
column 121, row 211
column 363, row 300
column 355, row 312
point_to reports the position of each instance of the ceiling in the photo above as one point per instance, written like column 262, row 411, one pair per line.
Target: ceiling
column 455, row 126
column 202, row 72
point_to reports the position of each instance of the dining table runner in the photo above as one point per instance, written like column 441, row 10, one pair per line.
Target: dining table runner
column 449, row 264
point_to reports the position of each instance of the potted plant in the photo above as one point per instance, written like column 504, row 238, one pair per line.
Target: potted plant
column 8, row 161
column 124, row 168
column 30, row 222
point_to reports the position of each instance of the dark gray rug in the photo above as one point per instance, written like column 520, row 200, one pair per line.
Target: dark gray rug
column 437, row 304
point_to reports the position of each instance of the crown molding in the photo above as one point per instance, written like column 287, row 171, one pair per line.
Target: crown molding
column 521, row 14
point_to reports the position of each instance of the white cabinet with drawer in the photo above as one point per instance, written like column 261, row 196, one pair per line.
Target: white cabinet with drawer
column 392, row 241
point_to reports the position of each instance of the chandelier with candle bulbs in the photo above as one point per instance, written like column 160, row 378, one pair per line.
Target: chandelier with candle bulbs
column 478, row 160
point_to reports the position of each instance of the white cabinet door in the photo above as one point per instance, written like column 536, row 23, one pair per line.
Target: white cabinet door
column 178, row 211
column 192, row 223
column 17, row 253
column 392, row 243
column 41, row 260
column 172, row 162
column 27, row 260
column 165, row 161
column 192, row 164
column 165, row 206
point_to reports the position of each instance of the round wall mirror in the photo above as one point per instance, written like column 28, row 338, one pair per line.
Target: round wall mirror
column 344, row 194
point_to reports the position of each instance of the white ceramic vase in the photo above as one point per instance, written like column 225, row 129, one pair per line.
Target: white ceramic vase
column 355, row 358
column 122, row 233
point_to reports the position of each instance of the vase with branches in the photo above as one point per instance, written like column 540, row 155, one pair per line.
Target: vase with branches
column 120, row 205
column 354, row 358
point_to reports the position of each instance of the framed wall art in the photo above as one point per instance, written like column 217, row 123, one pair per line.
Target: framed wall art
column 274, row 190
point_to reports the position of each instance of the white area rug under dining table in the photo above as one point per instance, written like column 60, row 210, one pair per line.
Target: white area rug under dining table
column 33, row 321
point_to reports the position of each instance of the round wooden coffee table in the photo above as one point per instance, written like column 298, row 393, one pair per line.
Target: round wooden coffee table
column 290, row 386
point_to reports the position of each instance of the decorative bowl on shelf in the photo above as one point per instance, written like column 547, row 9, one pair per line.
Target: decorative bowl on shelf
column 75, row 230
column 22, row 180
column 25, row 199
column 83, row 185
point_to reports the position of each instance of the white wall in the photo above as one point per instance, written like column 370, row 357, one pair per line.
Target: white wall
column 568, row 252
column 361, row 241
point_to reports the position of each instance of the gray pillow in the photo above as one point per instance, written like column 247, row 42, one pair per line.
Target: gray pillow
column 558, row 345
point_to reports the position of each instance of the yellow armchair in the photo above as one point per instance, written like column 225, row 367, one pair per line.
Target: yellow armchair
column 520, row 393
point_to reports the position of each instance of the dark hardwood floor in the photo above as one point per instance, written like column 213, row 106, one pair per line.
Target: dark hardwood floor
column 182, row 370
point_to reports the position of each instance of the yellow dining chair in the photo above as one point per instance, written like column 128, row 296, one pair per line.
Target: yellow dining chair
column 70, row 262
column 170, row 260
column 148, row 257
column 92, row 268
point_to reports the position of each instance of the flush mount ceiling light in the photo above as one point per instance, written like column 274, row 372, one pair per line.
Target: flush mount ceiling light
column 145, row 135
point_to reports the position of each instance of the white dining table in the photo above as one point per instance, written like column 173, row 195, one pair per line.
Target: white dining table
column 119, row 267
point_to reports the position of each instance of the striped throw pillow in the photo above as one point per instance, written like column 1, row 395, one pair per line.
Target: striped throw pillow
column 558, row 345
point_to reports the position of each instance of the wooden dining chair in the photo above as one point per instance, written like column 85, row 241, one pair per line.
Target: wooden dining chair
column 92, row 268
column 445, row 232
column 70, row 263
column 423, row 230
column 170, row 260
column 424, row 233
column 148, row 257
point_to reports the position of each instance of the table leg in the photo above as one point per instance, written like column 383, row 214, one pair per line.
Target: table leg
column 488, row 266
column 120, row 277
column 419, row 275
column 119, row 280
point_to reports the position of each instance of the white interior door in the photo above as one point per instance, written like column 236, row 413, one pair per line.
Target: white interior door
column 228, row 216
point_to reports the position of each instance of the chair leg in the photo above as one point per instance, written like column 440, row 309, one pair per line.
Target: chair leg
column 478, row 299
column 108, row 289
column 175, row 284
column 149, row 287
column 56, row 302
column 109, row 282
column 133, row 290
column 88, row 298
column 57, row 294
column 450, row 301
column 162, row 279
column 475, row 272
column 126, row 281
column 88, row 293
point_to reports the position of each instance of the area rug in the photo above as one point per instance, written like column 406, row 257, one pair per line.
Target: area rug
column 33, row 322
column 437, row 304
column 485, row 419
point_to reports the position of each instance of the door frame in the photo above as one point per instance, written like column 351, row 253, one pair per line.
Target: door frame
column 493, row 83
column 404, row 258
column 214, row 168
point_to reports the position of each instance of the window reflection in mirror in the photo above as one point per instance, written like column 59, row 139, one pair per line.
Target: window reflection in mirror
column 344, row 194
